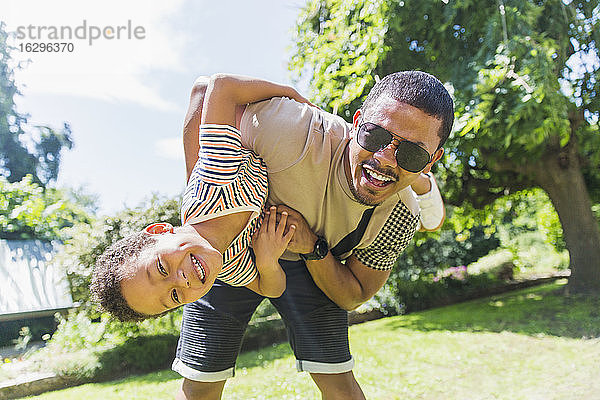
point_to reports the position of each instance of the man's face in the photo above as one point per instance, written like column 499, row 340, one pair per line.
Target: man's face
column 374, row 177
column 180, row 267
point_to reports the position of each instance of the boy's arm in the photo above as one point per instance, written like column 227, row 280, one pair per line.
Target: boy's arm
column 270, row 281
column 217, row 100
column 269, row 243
column 225, row 92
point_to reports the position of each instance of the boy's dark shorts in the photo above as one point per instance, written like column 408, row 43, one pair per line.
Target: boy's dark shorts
column 213, row 328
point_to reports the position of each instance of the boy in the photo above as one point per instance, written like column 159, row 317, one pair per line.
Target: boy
column 163, row 267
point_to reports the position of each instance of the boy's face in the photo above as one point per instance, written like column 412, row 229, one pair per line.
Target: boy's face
column 180, row 267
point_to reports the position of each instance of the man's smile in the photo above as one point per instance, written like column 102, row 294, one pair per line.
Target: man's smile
column 377, row 177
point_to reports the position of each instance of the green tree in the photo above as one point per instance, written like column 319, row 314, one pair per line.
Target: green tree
column 524, row 73
column 37, row 152
column 29, row 211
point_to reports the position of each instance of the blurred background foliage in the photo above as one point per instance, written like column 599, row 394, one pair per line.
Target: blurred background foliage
column 25, row 149
column 30, row 211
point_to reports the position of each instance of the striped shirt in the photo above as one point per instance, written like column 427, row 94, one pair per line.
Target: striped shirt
column 227, row 179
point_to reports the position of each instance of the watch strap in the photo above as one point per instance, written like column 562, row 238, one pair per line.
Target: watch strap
column 321, row 244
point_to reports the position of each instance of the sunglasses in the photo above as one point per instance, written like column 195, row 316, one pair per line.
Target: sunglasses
column 409, row 155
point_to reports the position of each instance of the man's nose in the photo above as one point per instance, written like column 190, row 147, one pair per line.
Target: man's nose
column 387, row 156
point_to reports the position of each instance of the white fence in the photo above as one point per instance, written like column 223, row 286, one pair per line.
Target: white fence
column 30, row 284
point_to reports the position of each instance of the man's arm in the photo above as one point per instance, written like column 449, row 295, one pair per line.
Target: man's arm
column 348, row 285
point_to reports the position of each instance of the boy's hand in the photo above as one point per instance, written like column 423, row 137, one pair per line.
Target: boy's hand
column 271, row 240
column 295, row 95
column 304, row 238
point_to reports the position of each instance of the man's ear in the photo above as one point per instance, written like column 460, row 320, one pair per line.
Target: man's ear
column 159, row 228
column 436, row 156
column 356, row 118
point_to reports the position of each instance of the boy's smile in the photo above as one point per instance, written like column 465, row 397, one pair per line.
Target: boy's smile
column 178, row 269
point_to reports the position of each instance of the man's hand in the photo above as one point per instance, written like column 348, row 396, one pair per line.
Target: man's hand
column 303, row 241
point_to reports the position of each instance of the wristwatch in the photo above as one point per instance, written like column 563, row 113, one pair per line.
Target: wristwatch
column 319, row 252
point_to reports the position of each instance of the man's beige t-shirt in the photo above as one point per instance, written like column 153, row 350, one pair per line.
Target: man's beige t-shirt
column 303, row 148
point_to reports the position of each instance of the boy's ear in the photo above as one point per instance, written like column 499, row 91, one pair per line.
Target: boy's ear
column 159, row 228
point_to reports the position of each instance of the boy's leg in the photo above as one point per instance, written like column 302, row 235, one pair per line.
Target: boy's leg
column 318, row 333
column 211, row 337
column 191, row 123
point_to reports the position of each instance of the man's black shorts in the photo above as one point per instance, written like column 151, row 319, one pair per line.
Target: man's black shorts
column 213, row 328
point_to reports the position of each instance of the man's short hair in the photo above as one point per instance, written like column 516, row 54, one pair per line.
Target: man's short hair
column 418, row 89
column 111, row 268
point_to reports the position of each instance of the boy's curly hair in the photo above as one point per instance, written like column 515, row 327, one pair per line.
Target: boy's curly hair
column 111, row 268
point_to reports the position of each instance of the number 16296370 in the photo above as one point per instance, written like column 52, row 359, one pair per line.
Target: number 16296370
column 35, row 47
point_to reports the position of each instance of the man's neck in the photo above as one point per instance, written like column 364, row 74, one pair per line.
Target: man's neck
column 346, row 164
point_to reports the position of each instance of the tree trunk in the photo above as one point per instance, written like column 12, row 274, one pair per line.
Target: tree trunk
column 559, row 174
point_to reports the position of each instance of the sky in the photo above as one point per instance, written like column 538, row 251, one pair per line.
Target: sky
column 125, row 97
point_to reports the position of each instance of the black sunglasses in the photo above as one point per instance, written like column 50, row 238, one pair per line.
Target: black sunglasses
column 409, row 155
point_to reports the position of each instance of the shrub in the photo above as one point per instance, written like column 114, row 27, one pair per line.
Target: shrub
column 135, row 355
column 82, row 366
column 441, row 250
column 404, row 296
column 78, row 331
column 140, row 354
column 30, row 211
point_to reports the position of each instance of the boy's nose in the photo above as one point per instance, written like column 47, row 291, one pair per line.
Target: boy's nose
column 182, row 280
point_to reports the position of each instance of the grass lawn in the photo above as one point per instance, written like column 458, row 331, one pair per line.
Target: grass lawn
column 531, row 344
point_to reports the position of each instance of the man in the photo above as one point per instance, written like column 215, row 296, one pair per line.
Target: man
column 347, row 191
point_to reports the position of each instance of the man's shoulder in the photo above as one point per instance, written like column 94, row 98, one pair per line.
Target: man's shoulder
column 404, row 198
column 393, row 236
column 407, row 197
column 282, row 131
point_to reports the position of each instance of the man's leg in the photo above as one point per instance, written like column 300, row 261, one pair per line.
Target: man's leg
column 211, row 336
column 318, row 333
column 338, row 386
column 200, row 390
